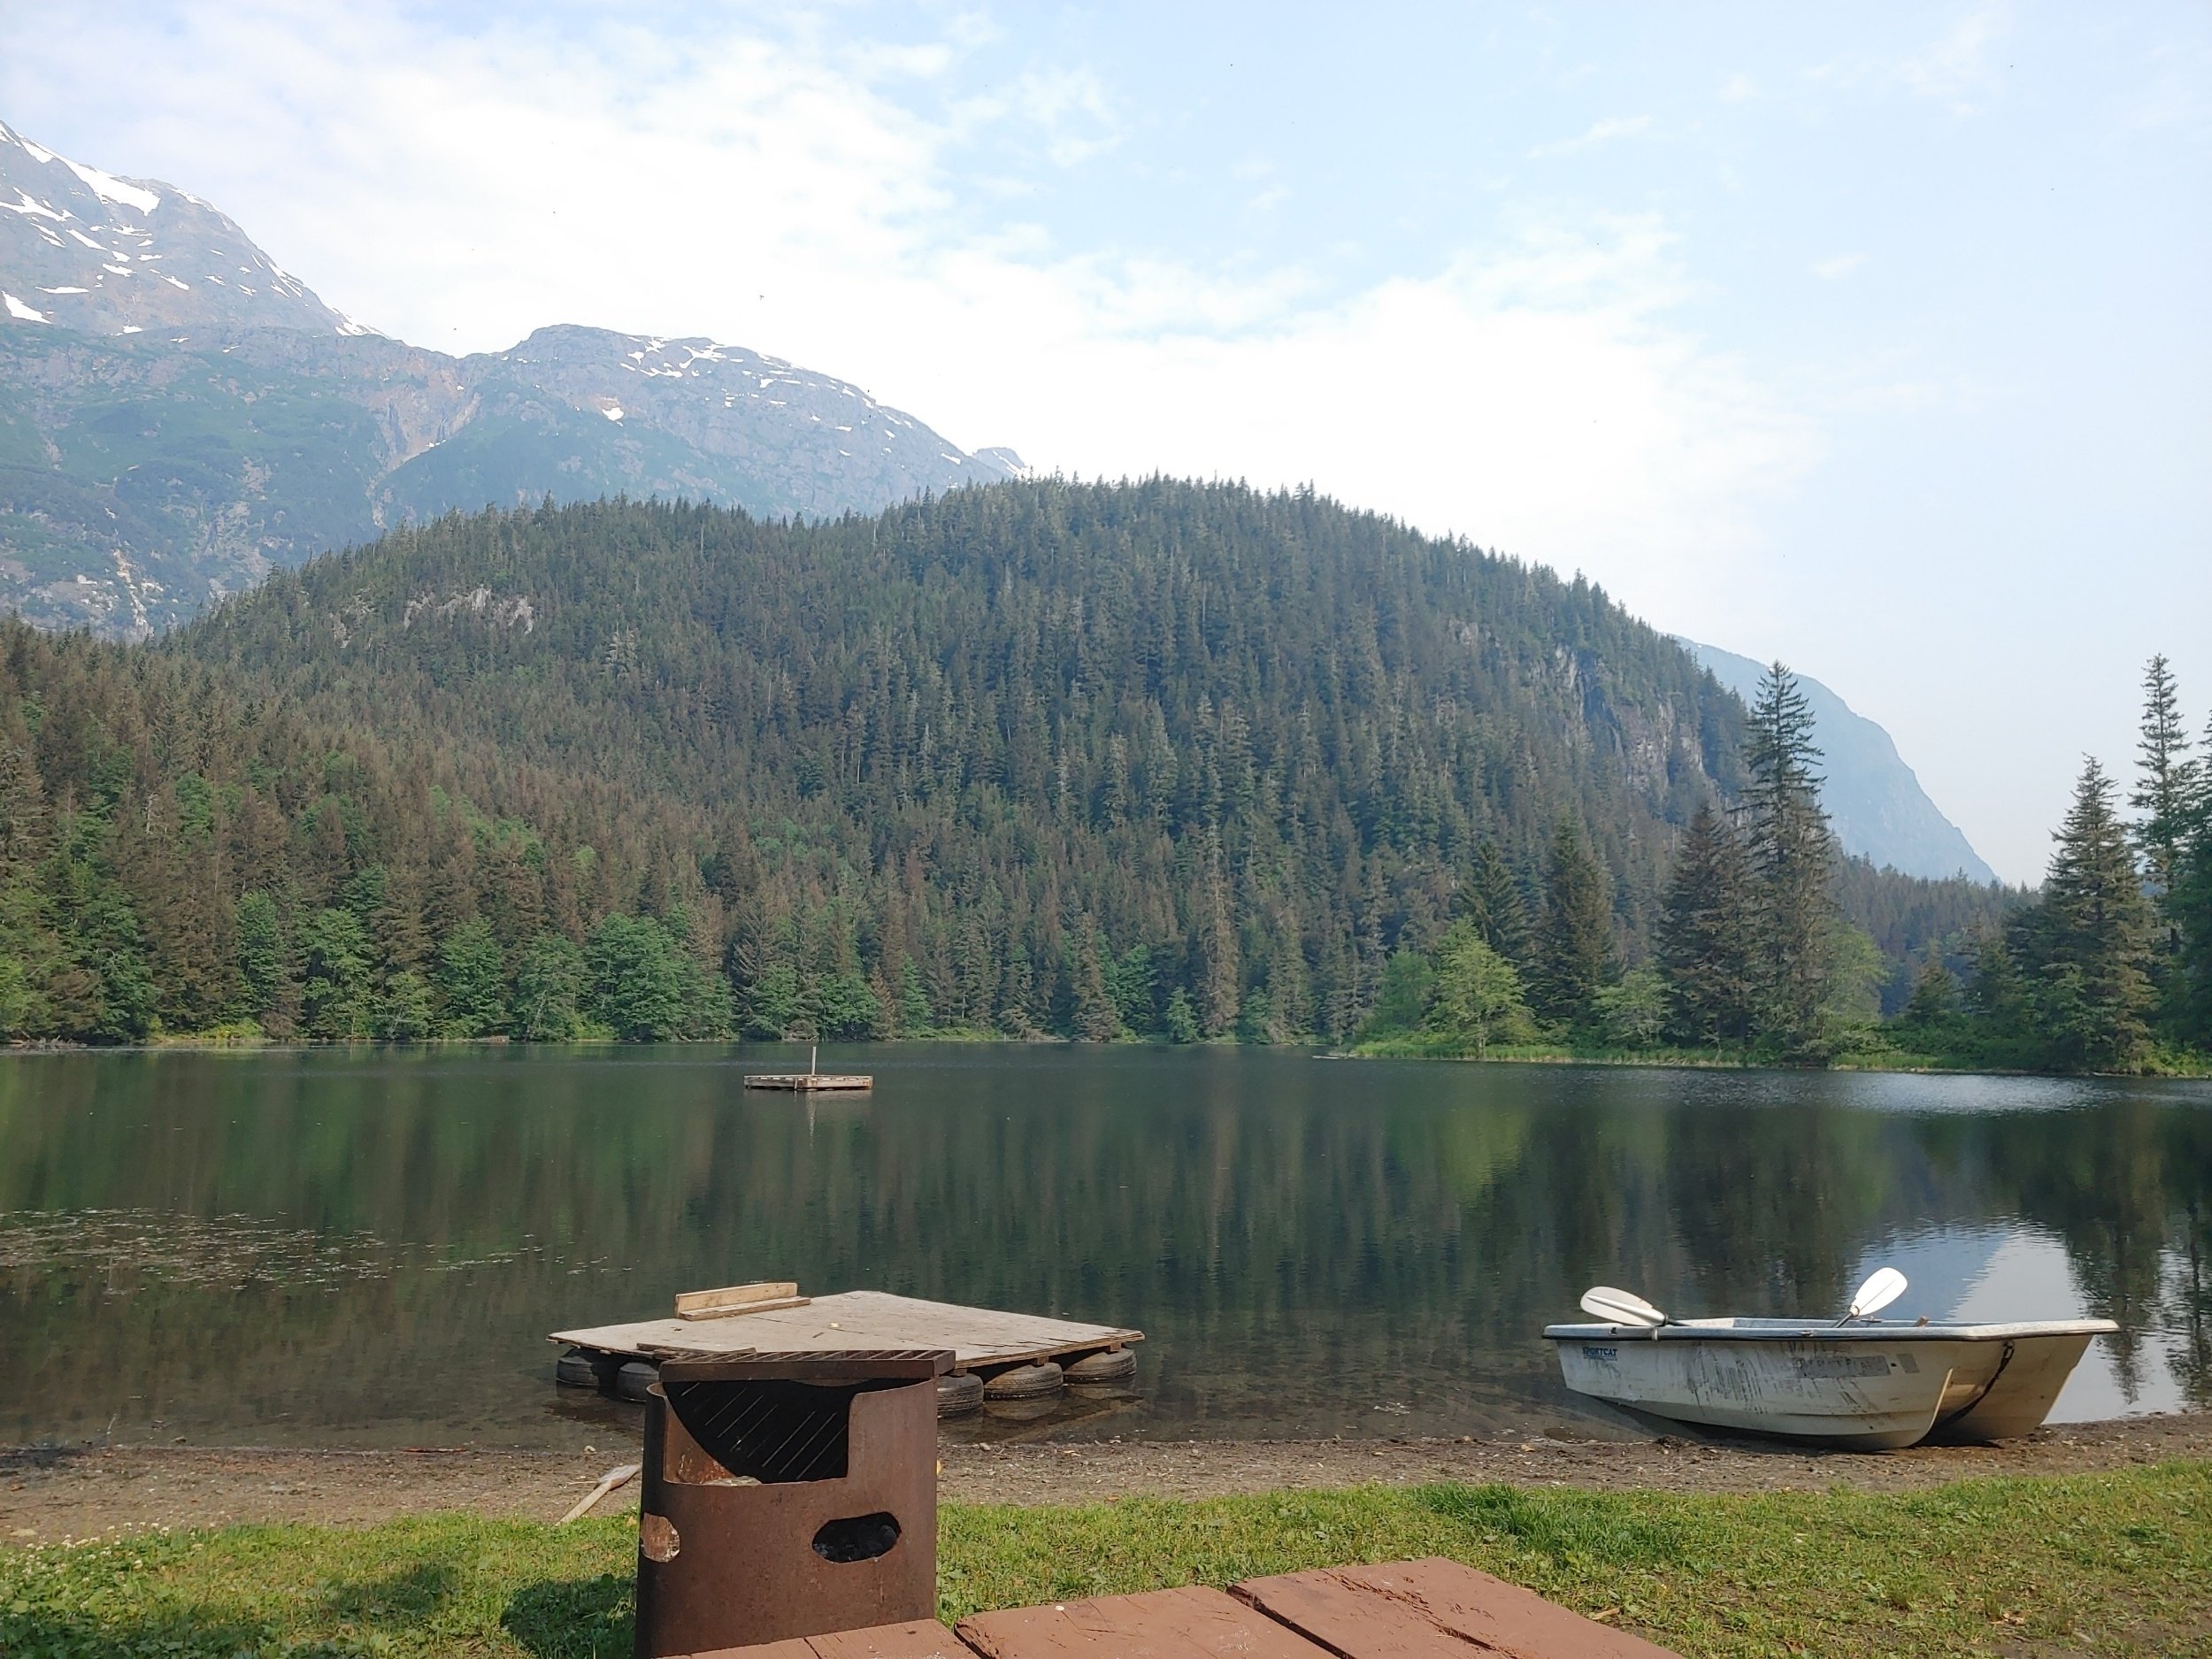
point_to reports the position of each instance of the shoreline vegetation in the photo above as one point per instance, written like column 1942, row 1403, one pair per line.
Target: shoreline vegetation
column 1399, row 1046
column 2113, row 1562
column 2180, row 1066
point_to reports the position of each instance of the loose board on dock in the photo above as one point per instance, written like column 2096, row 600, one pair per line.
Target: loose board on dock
column 865, row 1319
column 735, row 1299
column 805, row 1081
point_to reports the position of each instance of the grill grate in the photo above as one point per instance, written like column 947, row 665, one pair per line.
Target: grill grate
column 769, row 1431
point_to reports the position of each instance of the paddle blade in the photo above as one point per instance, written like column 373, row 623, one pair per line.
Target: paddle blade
column 1883, row 1286
column 1620, row 1307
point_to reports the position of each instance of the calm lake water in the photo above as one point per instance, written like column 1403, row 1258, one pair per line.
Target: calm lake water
column 369, row 1247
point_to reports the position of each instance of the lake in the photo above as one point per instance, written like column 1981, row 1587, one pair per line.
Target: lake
column 368, row 1246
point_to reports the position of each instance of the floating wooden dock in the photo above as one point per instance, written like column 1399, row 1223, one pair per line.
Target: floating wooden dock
column 778, row 1320
column 805, row 1081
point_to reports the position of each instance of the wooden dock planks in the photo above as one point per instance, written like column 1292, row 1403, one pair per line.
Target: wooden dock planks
column 1162, row 1624
column 923, row 1639
column 863, row 1319
column 1433, row 1609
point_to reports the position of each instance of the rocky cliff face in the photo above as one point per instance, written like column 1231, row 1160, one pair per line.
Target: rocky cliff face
column 1875, row 803
column 179, row 416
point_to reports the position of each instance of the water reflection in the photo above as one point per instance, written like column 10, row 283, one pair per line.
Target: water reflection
column 370, row 1246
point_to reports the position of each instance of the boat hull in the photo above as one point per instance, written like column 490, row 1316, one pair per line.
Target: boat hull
column 1870, row 1386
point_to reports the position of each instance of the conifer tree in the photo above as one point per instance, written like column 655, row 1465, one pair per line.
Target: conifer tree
column 336, row 1004
column 1932, row 1009
column 2191, row 908
column 1096, row 1018
column 265, row 993
column 1575, row 947
column 1995, row 997
column 23, row 817
column 2193, row 912
column 473, row 981
column 1792, row 858
column 915, row 1014
column 549, row 989
column 2087, row 940
column 1490, row 897
column 2166, row 793
column 1220, row 984
column 1704, row 943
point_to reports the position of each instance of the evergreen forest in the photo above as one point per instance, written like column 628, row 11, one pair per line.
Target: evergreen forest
column 1156, row 759
column 1757, row 953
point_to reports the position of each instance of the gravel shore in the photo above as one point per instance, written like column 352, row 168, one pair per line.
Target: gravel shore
column 50, row 1493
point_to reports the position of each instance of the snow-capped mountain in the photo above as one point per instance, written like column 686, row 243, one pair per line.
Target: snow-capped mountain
column 178, row 415
column 84, row 249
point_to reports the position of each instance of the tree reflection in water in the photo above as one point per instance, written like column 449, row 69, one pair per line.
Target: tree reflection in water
column 370, row 1246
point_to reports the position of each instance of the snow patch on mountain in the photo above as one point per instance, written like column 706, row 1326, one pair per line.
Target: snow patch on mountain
column 108, row 188
column 131, row 254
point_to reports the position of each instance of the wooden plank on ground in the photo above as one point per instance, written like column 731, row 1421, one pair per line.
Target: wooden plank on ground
column 1433, row 1609
column 1192, row 1623
column 867, row 1319
column 923, row 1639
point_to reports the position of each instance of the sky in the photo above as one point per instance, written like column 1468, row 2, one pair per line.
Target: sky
column 1872, row 337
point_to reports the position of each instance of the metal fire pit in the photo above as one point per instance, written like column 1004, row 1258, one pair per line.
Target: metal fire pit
column 785, row 1495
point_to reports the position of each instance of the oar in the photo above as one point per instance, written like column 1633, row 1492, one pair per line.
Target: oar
column 620, row 1476
column 1621, row 1307
column 1884, row 1286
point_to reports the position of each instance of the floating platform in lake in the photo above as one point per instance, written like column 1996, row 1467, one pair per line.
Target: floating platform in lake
column 777, row 1320
column 806, row 1082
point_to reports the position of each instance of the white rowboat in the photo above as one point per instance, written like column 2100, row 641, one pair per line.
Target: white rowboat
column 1871, row 1384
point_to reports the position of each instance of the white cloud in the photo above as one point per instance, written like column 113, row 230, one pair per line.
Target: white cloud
column 1603, row 132
column 1956, row 69
column 459, row 190
column 1837, row 267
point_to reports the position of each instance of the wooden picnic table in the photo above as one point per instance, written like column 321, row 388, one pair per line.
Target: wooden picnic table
column 1433, row 1609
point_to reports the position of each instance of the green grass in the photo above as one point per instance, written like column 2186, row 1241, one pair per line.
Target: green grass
column 1427, row 1045
column 2111, row 1564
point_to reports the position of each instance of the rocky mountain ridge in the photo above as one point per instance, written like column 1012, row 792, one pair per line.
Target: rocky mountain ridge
column 85, row 250
column 179, row 416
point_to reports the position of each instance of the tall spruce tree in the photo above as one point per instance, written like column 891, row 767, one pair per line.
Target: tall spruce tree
column 1575, row 945
column 2190, row 905
column 1490, row 897
column 2166, row 795
column 1704, row 939
column 1791, row 860
column 2087, row 944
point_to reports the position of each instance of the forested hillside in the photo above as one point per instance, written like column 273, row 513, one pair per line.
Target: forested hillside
column 1160, row 759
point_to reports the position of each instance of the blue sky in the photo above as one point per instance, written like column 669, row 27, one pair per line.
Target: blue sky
column 1874, row 337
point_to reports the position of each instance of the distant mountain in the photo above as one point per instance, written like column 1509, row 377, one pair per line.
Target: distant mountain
column 86, row 250
column 179, row 416
column 1879, row 808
